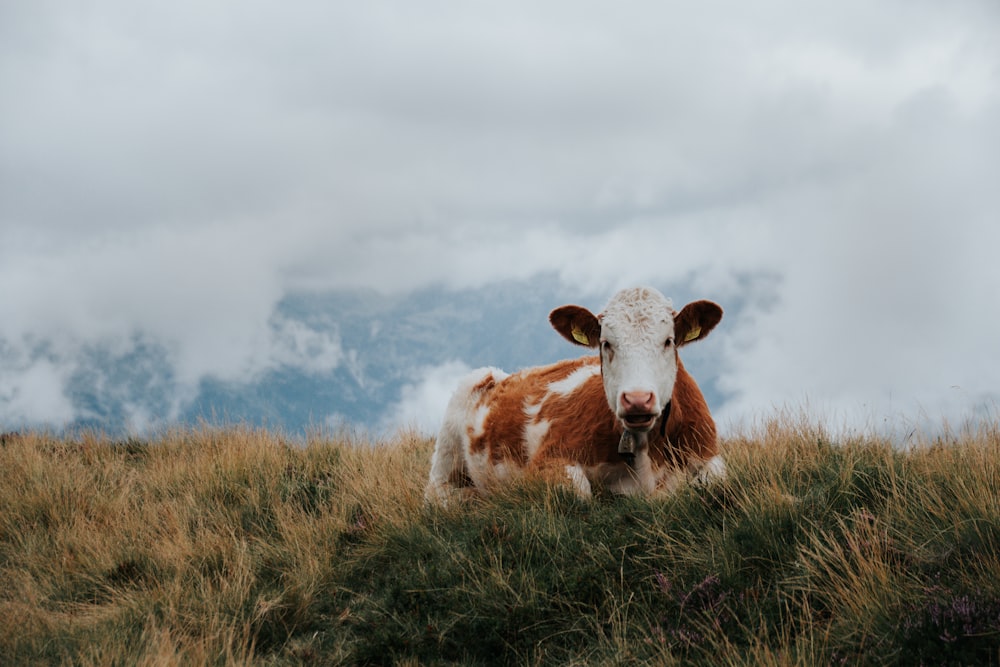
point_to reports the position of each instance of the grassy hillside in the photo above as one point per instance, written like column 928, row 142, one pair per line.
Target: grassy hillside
column 236, row 547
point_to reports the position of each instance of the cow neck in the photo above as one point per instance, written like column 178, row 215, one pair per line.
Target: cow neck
column 629, row 456
column 663, row 420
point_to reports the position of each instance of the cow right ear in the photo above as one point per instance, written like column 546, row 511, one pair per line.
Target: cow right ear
column 577, row 325
column 695, row 321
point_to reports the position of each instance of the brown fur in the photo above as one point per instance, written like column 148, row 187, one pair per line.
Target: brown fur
column 583, row 428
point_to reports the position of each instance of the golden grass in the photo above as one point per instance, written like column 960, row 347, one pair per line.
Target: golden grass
column 171, row 536
column 237, row 546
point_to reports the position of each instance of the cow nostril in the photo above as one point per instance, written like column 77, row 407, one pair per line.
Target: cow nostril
column 638, row 401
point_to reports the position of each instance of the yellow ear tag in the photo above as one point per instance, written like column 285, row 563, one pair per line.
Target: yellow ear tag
column 691, row 335
column 580, row 337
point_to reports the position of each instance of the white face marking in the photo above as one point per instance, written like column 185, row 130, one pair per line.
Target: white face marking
column 638, row 354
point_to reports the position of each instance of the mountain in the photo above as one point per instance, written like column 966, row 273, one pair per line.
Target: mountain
column 385, row 347
column 388, row 343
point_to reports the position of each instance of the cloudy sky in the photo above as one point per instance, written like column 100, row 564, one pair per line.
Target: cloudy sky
column 170, row 170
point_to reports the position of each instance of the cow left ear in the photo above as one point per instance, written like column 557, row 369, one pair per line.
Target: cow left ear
column 695, row 321
column 577, row 325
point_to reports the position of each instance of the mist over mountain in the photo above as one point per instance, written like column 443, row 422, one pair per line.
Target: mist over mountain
column 352, row 359
column 193, row 204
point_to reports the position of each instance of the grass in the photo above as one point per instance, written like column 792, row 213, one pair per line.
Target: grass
column 232, row 546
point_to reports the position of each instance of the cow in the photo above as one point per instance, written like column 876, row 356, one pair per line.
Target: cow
column 629, row 419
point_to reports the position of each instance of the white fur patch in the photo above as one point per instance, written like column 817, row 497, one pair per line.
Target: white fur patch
column 534, row 433
column 479, row 421
column 574, row 380
column 579, row 479
column 503, row 472
column 714, row 470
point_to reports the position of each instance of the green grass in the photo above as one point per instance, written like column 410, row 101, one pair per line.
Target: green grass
column 234, row 546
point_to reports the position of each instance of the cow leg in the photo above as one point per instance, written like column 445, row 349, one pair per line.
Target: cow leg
column 712, row 470
column 578, row 478
column 447, row 467
column 558, row 471
column 450, row 468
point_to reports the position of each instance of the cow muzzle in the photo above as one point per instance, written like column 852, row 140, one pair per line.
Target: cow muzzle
column 638, row 410
column 634, row 441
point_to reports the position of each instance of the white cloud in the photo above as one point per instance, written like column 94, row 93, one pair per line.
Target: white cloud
column 423, row 403
column 174, row 172
column 296, row 345
column 34, row 394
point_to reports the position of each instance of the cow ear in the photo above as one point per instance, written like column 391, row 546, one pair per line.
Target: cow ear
column 695, row 321
column 577, row 325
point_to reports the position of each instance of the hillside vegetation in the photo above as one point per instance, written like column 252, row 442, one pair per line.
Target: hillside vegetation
column 235, row 546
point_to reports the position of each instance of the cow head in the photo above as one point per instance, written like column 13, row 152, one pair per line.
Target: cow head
column 638, row 335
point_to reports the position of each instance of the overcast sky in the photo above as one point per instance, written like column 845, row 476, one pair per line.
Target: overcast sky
column 170, row 170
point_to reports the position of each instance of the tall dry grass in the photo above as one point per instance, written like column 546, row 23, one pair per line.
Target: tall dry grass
column 235, row 546
column 208, row 546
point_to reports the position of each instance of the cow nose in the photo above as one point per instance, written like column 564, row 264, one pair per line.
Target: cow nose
column 638, row 402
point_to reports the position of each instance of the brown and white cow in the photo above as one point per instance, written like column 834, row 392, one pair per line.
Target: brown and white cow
column 630, row 419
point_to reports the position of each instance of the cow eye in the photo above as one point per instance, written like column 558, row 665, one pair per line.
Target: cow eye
column 670, row 341
column 607, row 349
